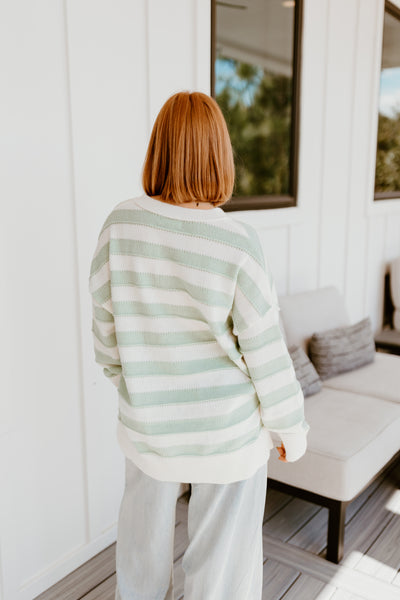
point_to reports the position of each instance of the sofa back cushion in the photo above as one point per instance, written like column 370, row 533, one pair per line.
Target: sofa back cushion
column 309, row 312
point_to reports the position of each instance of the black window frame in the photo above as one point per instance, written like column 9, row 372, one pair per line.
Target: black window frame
column 273, row 201
column 394, row 11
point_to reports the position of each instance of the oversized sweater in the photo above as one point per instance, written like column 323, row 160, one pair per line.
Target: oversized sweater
column 186, row 326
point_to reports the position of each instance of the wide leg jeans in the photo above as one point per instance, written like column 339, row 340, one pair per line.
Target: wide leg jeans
column 224, row 556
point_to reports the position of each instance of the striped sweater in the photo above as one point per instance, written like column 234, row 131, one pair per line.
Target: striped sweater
column 186, row 326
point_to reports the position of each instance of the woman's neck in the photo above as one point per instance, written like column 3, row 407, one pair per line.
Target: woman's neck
column 199, row 205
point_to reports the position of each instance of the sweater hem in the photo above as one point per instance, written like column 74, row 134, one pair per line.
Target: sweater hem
column 222, row 468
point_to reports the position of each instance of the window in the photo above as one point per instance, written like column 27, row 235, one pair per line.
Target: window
column 255, row 64
column 387, row 171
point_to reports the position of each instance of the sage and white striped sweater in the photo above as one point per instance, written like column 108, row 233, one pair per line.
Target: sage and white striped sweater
column 186, row 326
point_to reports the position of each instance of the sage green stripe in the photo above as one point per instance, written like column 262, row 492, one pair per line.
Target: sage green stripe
column 180, row 256
column 101, row 314
column 100, row 259
column 252, row 293
column 279, row 395
column 153, row 309
column 130, row 309
column 103, row 293
column 267, row 336
column 171, row 282
column 271, row 367
column 287, row 421
column 107, row 340
column 190, row 395
column 253, row 235
column 201, row 449
column 105, row 359
column 111, row 371
column 238, row 319
column 163, row 338
column 206, row 231
column 123, row 390
column 192, row 425
column 186, row 367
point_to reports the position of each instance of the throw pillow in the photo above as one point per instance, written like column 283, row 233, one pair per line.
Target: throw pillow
column 305, row 371
column 342, row 349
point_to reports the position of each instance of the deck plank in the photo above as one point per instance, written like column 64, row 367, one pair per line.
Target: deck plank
column 309, row 588
column 277, row 579
column 104, row 591
column 383, row 558
column 294, row 535
column 344, row 578
column 84, row 578
column 290, row 519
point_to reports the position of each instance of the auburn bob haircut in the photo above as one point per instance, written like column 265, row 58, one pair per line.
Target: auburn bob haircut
column 189, row 157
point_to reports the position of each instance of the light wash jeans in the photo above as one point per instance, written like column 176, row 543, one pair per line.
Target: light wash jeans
column 224, row 557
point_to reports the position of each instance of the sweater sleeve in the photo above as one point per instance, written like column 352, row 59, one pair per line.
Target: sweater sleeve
column 103, row 325
column 255, row 315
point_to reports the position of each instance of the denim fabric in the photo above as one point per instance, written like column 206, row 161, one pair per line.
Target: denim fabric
column 224, row 557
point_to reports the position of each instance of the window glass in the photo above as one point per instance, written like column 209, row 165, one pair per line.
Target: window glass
column 387, row 172
column 254, row 86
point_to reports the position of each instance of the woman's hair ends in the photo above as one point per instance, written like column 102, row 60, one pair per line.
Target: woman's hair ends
column 189, row 156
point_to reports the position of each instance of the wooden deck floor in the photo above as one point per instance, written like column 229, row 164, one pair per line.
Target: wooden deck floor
column 294, row 546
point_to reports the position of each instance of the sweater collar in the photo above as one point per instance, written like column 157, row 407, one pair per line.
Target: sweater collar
column 179, row 212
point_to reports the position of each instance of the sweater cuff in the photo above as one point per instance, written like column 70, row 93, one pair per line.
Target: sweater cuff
column 295, row 445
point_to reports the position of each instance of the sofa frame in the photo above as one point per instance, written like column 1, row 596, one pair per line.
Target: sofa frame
column 337, row 509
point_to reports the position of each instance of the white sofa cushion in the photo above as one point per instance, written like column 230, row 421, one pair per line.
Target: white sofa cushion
column 380, row 378
column 351, row 438
column 309, row 312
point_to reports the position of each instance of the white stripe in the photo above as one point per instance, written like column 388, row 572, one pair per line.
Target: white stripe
column 203, row 380
column 246, row 310
column 156, row 266
column 105, row 327
column 113, row 352
column 147, row 352
column 100, row 278
column 283, row 408
column 263, row 323
column 170, row 324
column 204, row 246
column 175, row 297
column 190, row 410
column 261, row 356
column 275, row 382
column 210, row 437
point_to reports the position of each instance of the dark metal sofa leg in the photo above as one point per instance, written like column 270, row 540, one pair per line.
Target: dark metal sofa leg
column 337, row 514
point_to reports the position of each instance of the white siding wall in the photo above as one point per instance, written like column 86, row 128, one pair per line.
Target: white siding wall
column 84, row 81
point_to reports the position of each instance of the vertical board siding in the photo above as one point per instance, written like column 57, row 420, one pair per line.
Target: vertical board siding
column 42, row 497
column 275, row 246
column 172, row 50
column 340, row 71
column 203, row 45
column 375, row 271
column 79, row 113
column 304, row 265
column 392, row 238
column 107, row 61
column 363, row 105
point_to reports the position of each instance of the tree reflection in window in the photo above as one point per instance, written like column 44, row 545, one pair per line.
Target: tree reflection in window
column 254, row 87
column 387, row 171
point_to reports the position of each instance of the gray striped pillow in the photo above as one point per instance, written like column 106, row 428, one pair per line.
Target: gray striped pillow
column 305, row 371
column 342, row 349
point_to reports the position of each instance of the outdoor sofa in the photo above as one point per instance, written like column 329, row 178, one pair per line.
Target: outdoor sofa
column 354, row 419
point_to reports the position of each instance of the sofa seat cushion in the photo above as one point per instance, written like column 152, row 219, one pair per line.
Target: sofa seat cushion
column 350, row 440
column 380, row 378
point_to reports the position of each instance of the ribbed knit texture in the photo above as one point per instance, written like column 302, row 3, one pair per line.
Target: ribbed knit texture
column 186, row 326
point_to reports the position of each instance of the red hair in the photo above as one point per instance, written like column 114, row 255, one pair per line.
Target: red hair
column 189, row 156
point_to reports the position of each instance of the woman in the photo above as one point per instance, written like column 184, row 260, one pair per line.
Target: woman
column 186, row 326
